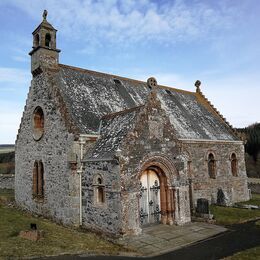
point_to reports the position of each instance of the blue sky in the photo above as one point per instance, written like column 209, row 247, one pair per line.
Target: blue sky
column 178, row 42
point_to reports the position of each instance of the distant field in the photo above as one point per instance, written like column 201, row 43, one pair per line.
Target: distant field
column 6, row 148
column 7, row 160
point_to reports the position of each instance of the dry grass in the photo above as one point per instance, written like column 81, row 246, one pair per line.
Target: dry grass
column 57, row 239
column 7, row 168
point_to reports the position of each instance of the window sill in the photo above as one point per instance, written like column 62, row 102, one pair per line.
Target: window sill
column 38, row 198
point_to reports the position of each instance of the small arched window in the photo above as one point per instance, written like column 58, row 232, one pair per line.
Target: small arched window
column 234, row 164
column 38, row 123
column 36, row 40
column 99, row 191
column 211, row 166
column 38, row 179
column 48, row 40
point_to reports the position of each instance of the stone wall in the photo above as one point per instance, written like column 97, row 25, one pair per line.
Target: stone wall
column 106, row 216
column 234, row 187
column 7, row 181
column 152, row 143
column 254, row 185
column 61, row 193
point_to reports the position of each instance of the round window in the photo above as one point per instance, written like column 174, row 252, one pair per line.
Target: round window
column 38, row 123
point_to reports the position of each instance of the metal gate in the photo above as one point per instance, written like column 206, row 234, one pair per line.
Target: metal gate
column 150, row 208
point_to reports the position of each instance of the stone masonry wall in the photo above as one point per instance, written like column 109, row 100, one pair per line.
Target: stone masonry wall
column 182, row 212
column 7, row 181
column 234, row 187
column 153, row 136
column 105, row 217
column 254, row 185
column 54, row 148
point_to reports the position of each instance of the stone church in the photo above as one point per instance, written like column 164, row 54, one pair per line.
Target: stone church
column 114, row 154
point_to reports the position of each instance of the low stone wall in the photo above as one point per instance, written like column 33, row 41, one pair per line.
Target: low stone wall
column 254, row 185
column 6, row 181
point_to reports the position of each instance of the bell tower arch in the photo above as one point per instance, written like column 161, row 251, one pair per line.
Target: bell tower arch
column 44, row 53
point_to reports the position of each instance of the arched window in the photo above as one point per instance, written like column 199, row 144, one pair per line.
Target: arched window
column 48, row 40
column 100, row 195
column 211, row 166
column 38, row 179
column 99, row 191
column 35, row 179
column 234, row 164
column 38, row 123
column 36, row 40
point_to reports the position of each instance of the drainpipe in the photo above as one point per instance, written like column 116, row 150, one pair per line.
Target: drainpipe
column 81, row 142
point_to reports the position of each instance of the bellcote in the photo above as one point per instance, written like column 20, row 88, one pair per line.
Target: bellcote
column 44, row 52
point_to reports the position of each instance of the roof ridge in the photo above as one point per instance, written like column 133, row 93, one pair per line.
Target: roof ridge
column 216, row 111
column 124, row 78
column 122, row 112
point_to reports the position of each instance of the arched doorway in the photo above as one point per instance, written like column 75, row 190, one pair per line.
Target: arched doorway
column 158, row 197
column 149, row 202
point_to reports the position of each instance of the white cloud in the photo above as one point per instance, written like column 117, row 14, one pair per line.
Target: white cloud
column 10, row 114
column 14, row 75
column 121, row 21
column 236, row 97
column 12, row 87
column 20, row 54
column 168, row 79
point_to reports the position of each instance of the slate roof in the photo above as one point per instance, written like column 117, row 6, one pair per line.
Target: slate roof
column 90, row 95
column 114, row 127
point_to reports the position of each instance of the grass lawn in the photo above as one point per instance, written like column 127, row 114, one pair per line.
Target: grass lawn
column 254, row 201
column 6, row 195
column 229, row 216
column 252, row 253
column 57, row 239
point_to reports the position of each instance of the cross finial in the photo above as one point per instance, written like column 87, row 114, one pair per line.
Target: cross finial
column 197, row 85
column 152, row 83
column 44, row 15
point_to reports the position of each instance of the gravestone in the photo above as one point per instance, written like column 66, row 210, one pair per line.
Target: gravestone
column 202, row 206
column 221, row 198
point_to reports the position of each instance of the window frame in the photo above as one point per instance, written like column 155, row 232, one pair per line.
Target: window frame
column 36, row 40
column 38, row 182
column 234, row 164
column 211, row 165
column 47, row 39
column 99, row 187
column 38, row 124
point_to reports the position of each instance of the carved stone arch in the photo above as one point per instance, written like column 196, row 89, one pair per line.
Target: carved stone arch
column 232, row 154
column 99, row 189
column 211, row 152
column 211, row 164
column 98, row 179
column 38, row 119
column 167, row 173
column 164, row 163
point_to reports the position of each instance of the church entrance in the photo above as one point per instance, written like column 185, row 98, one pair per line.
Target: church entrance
column 149, row 203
